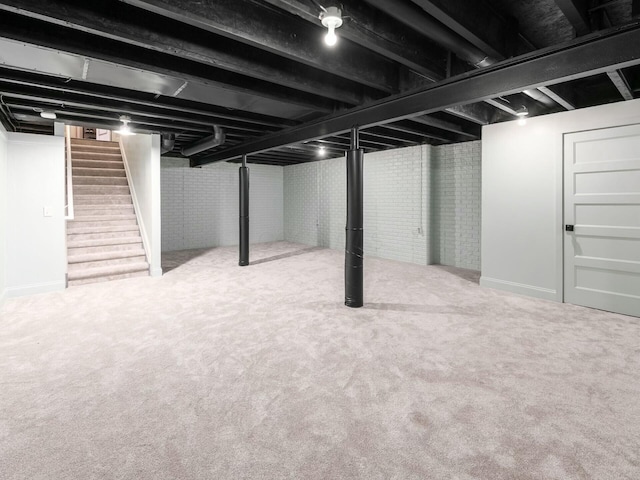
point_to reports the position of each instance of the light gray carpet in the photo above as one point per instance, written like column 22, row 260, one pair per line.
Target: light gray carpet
column 220, row 372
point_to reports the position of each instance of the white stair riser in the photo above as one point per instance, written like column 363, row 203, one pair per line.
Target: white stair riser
column 97, row 242
column 102, row 210
column 103, row 223
column 122, row 229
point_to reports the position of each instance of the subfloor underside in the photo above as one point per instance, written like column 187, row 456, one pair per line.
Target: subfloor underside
column 219, row 372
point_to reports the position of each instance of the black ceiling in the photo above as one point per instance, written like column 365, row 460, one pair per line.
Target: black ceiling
column 406, row 71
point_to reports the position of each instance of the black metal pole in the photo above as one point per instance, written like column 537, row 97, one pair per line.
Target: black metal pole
column 354, row 252
column 244, row 213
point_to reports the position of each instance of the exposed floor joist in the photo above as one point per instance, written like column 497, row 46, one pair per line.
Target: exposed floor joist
column 615, row 49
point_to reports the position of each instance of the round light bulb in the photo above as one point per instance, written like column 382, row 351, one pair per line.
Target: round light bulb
column 331, row 38
column 522, row 121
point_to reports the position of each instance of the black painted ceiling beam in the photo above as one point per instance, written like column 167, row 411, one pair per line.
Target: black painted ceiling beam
column 594, row 54
column 577, row 12
column 474, row 21
column 209, row 50
column 443, row 125
column 54, row 87
column 35, row 32
column 279, row 33
column 382, row 34
column 49, row 100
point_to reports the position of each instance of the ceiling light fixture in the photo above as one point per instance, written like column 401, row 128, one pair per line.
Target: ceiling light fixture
column 125, row 129
column 48, row 115
column 321, row 151
column 522, row 114
column 332, row 19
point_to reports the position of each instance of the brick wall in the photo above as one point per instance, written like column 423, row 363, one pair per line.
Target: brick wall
column 422, row 204
column 456, row 211
column 200, row 205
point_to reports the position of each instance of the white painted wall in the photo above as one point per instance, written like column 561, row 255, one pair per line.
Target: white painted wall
column 141, row 154
column 522, row 218
column 200, row 206
column 3, row 214
column 35, row 244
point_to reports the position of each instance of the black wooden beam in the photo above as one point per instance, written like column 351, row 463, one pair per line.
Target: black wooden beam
column 35, row 32
column 202, row 48
column 382, row 34
column 475, row 21
column 55, row 88
column 591, row 55
column 278, row 33
column 577, row 13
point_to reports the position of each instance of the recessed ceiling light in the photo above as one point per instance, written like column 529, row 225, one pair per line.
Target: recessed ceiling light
column 49, row 115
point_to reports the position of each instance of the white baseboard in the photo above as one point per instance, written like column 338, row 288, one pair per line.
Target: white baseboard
column 520, row 288
column 34, row 289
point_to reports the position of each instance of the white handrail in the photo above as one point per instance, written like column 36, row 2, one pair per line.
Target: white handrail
column 69, row 206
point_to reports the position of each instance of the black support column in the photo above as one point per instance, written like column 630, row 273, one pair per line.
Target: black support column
column 354, row 252
column 244, row 213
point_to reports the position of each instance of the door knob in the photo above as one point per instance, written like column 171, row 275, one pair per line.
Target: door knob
column 568, row 228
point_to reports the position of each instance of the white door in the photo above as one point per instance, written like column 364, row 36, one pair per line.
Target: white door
column 103, row 135
column 602, row 206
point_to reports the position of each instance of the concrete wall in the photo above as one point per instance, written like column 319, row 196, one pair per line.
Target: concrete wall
column 142, row 160
column 200, row 205
column 3, row 214
column 522, row 218
column 422, row 204
column 35, row 243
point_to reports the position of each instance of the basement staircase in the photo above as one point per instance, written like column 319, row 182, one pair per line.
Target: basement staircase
column 103, row 240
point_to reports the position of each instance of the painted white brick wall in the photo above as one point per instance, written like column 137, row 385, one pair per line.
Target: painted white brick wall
column 456, row 204
column 422, row 204
column 200, row 205
column 396, row 192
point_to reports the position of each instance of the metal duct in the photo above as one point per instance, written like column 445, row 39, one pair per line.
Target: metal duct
column 167, row 142
column 206, row 143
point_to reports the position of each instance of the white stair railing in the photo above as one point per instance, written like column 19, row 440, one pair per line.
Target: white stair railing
column 69, row 206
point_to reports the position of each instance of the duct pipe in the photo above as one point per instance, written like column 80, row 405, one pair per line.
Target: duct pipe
column 354, row 252
column 244, row 213
column 206, row 143
column 167, row 142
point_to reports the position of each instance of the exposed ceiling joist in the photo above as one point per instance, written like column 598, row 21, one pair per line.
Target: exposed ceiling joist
column 577, row 13
column 296, row 41
column 559, row 99
column 381, row 34
column 212, row 52
column 614, row 49
column 621, row 83
column 475, row 22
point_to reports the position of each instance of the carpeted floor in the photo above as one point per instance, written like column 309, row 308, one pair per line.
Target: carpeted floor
column 219, row 372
